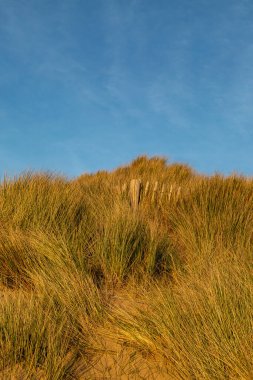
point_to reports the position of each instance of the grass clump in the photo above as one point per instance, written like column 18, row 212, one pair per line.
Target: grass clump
column 90, row 288
column 198, row 327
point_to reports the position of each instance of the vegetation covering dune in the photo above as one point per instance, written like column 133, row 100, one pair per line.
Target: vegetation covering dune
column 92, row 289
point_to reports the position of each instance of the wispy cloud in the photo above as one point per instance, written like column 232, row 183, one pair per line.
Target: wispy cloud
column 39, row 40
column 142, row 75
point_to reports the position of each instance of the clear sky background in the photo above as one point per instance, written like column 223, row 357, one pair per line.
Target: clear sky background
column 91, row 84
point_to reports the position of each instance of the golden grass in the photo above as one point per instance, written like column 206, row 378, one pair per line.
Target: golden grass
column 90, row 289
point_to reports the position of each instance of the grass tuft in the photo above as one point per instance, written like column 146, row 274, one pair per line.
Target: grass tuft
column 92, row 289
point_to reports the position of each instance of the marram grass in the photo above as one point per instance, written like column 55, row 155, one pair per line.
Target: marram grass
column 91, row 289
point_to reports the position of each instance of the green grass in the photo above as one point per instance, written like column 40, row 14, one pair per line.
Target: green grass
column 90, row 289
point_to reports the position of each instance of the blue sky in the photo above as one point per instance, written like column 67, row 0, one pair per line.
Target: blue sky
column 91, row 84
